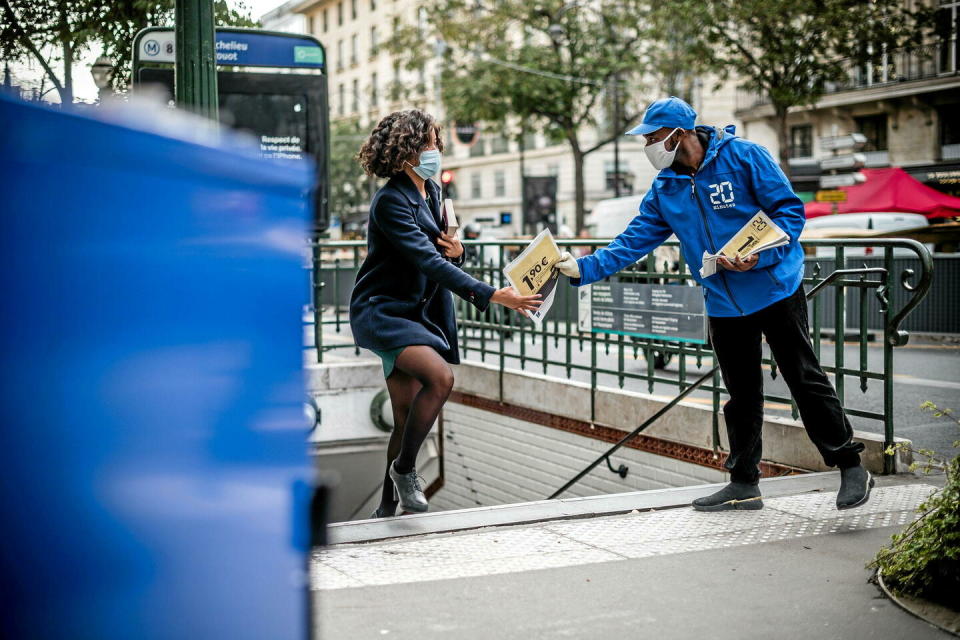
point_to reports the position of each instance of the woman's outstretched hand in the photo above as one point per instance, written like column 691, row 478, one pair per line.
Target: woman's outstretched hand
column 509, row 298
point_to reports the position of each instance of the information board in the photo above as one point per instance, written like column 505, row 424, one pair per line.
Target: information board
column 658, row 311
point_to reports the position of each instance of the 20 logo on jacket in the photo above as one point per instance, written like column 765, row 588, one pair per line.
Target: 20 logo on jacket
column 722, row 195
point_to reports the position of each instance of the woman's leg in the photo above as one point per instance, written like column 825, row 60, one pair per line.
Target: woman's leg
column 427, row 367
column 402, row 389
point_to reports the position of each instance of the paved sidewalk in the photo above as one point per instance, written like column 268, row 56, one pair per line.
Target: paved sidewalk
column 796, row 569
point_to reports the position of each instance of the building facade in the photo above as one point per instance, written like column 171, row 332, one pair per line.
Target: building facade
column 906, row 103
column 366, row 83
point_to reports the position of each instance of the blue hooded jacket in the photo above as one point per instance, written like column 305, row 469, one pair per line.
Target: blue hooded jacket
column 736, row 179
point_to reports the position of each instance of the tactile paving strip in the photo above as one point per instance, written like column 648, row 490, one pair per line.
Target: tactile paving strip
column 565, row 543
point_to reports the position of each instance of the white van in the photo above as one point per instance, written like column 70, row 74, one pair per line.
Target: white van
column 857, row 225
column 610, row 217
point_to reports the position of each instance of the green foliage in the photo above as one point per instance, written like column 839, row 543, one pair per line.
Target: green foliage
column 552, row 65
column 924, row 560
column 130, row 16
column 788, row 50
column 349, row 187
column 56, row 32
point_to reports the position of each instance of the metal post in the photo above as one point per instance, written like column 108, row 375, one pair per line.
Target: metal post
column 522, row 148
column 195, row 72
column 616, row 139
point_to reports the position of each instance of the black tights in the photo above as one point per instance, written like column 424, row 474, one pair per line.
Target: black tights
column 419, row 385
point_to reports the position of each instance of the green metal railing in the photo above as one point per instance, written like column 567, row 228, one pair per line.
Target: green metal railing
column 503, row 337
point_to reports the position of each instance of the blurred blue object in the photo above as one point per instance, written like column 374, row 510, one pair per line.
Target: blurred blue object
column 155, row 472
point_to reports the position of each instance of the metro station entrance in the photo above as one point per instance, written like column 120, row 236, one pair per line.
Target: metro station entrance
column 271, row 85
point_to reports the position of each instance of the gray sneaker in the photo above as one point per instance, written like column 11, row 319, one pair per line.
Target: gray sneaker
column 855, row 485
column 407, row 489
column 381, row 512
column 736, row 496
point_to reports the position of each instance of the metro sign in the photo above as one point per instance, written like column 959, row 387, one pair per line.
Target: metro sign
column 838, row 143
column 842, row 180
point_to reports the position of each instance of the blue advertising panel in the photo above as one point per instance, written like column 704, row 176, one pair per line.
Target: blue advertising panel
column 156, row 479
column 240, row 47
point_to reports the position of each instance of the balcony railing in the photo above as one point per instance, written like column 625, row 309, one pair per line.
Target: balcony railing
column 887, row 69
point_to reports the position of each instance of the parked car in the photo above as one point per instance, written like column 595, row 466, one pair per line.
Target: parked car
column 859, row 225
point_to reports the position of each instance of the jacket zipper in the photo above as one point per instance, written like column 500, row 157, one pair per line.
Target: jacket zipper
column 706, row 228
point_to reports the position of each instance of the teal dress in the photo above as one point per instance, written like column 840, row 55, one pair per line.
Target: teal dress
column 388, row 359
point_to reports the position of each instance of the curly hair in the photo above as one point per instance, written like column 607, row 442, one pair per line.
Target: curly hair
column 397, row 138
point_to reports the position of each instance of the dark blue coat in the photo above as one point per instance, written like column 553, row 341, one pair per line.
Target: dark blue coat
column 401, row 296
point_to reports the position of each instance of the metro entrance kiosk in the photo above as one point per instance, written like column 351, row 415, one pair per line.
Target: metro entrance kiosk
column 272, row 85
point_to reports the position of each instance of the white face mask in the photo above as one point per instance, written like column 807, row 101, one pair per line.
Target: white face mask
column 658, row 155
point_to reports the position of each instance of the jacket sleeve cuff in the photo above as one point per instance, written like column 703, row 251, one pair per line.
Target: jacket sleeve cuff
column 769, row 258
column 479, row 296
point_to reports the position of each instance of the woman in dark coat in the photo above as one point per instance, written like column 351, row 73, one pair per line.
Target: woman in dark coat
column 401, row 306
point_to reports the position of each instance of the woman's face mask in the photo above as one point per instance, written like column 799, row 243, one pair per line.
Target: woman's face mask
column 657, row 152
column 429, row 164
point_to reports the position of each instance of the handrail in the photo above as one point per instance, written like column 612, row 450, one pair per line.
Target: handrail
column 839, row 273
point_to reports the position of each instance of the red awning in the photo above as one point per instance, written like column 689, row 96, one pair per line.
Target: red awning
column 891, row 189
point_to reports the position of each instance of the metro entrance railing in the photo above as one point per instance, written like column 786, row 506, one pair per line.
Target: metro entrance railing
column 877, row 289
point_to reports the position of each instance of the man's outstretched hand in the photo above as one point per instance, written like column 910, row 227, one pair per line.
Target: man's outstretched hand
column 737, row 264
column 568, row 265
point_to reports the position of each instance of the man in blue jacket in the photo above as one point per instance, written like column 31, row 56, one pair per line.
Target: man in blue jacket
column 710, row 184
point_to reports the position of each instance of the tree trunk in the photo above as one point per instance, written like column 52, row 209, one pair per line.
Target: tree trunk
column 579, row 191
column 66, row 93
column 783, row 137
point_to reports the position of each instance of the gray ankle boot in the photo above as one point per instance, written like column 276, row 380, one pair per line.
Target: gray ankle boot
column 736, row 496
column 407, row 489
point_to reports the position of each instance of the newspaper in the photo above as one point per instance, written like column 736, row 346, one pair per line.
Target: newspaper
column 533, row 272
column 759, row 234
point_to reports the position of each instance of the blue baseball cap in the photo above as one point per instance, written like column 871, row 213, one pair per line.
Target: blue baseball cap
column 669, row 112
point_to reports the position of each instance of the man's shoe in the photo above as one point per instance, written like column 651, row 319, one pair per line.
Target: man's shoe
column 407, row 491
column 736, row 496
column 855, row 485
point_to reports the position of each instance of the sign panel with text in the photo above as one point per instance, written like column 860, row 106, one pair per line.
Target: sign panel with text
column 657, row 311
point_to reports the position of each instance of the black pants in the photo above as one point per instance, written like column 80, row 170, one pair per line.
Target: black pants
column 736, row 342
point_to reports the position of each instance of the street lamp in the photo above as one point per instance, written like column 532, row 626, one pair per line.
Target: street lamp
column 102, row 72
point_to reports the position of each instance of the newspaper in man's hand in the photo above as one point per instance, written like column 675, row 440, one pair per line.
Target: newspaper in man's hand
column 759, row 234
column 533, row 272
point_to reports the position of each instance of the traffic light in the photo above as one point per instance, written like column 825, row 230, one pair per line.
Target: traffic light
column 446, row 183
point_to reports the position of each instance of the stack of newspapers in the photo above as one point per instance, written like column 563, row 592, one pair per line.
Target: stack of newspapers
column 759, row 234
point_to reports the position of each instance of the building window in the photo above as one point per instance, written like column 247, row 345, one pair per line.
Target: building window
column 475, row 186
column 374, row 44
column 353, row 9
column 353, row 49
column 310, row 24
column 421, row 21
column 499, row 144
column 340, row 13
column 373, row 5
column 949, row 132
column 339, row 55
column 626, row 178
column 326, row 20
column 355, row 103
column 499, row 184
column 529, row 141
column 875, row 129
column 342, row 102
column 478, row 149
column 801, row 141
column 947, row 30
column 374, row 97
